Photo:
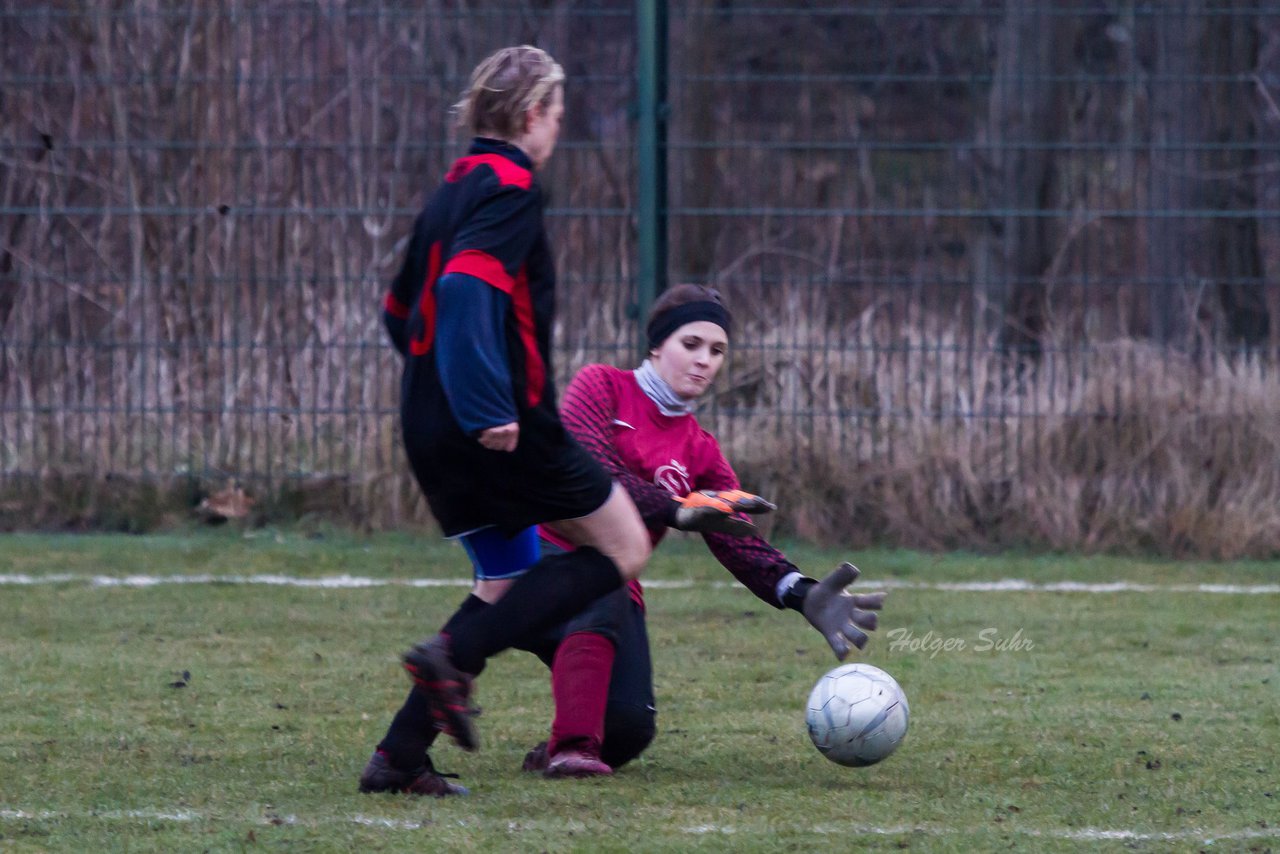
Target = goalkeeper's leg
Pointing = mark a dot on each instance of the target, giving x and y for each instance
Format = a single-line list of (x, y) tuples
[(603, 687), (580, 675), (602, 683), (613, 547)]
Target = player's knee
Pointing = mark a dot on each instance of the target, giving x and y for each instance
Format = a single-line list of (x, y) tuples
[(491, 590), (628, 730)]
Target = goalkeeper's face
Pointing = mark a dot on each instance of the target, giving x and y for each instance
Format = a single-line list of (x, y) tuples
[(691, 357)]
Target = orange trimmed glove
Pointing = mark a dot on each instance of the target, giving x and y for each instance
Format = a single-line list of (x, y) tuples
[(719, 512)]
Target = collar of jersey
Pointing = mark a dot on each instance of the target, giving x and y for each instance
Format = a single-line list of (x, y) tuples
[(660, 392), (487, 145)]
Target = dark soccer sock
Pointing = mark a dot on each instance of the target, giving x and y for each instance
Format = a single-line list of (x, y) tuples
[(553, 590), (580, 689), (628, 730), (412, 731)]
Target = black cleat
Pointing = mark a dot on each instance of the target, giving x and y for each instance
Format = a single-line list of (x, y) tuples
[(380, 776), (536, 760), (447, 688)]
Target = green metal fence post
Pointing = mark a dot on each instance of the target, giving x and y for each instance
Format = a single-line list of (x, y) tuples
[(651, 90)]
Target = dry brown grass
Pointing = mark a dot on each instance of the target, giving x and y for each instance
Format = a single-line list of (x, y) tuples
[(921, 436), (879, 430), (890, 428)]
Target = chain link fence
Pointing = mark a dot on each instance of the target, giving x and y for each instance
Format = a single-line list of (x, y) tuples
[(1003, 273)]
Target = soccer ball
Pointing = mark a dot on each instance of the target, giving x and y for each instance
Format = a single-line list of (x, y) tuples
[(857, 715)]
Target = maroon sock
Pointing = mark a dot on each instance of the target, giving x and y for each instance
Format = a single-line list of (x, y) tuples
[(580, 688)]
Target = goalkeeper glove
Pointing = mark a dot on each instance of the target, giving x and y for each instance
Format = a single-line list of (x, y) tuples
[(711, 511), (837, 614)]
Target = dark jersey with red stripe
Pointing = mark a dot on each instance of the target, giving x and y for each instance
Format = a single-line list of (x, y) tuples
[(471, 311), (479, 257)]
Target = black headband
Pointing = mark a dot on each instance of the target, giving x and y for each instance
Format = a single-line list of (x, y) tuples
[(662, 325)]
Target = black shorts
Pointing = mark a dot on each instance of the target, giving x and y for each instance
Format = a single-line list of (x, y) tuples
[(548, 477)]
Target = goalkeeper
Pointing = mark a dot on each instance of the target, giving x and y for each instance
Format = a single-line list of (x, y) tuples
[(639, 425)]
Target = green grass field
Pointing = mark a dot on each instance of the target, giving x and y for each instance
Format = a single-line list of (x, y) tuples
[(223, 716)]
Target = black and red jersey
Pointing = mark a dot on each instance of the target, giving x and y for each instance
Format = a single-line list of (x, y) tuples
[(471, 309)]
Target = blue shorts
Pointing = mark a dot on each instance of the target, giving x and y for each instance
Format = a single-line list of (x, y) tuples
[(495, 557)]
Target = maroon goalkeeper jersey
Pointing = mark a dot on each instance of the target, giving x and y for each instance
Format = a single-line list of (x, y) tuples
[(656, 458)]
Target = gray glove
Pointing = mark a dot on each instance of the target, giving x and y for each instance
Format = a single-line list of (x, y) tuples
[(839, 615), (718, 512)]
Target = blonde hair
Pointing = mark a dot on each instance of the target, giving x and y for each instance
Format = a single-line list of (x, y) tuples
[(504, 87)]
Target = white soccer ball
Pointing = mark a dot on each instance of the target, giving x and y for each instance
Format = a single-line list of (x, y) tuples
[(857, 715)]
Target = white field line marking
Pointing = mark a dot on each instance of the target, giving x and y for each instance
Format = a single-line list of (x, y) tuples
[(1087, 834), (352, 582), (1084, 834)]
